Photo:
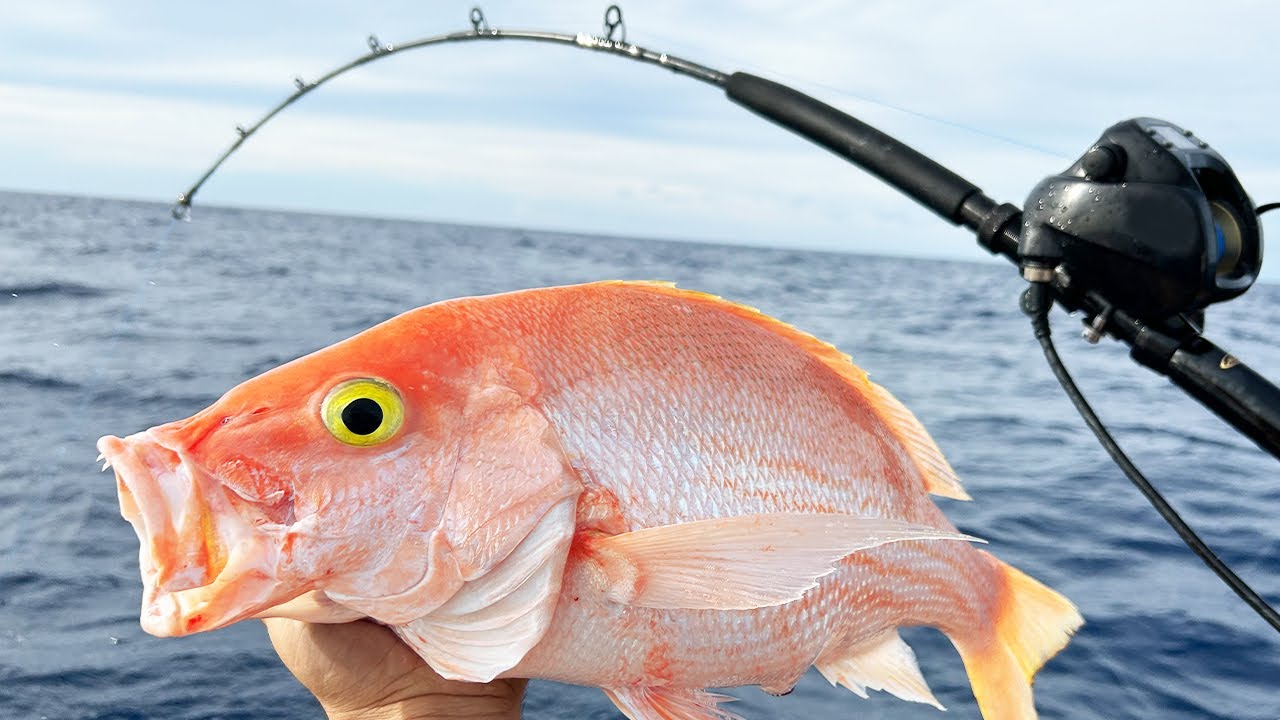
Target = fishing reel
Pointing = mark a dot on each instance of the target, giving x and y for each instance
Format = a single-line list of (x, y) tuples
[(1151, 218)]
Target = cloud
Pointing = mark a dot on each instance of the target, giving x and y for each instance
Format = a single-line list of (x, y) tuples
[(505, 133), (69, 18)]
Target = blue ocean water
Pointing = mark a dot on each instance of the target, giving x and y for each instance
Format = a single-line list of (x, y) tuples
[(113, 319)]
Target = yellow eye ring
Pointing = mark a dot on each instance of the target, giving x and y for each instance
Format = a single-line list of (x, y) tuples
[(363, 412)]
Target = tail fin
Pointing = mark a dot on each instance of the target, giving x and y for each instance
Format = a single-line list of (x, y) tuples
[(1031, 624)]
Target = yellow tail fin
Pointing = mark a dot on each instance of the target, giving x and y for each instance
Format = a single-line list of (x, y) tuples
[(1032, 623)]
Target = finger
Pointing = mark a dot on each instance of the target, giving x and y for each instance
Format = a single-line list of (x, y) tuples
[(350, 665), (361, 665), (349, 646)]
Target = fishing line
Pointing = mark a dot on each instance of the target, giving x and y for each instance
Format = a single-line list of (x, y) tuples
[(1036, 303), (867, 99), (128, 314), (96, 385)]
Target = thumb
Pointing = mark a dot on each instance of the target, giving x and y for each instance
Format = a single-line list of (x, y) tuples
[(361, 671)]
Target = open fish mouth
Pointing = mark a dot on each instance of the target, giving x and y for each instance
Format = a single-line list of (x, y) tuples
[(203, 566)]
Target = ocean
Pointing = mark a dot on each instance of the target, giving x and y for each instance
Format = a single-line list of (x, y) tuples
[(113, 318)]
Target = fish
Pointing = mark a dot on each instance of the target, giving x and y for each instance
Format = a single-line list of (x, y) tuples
[(626, 485)]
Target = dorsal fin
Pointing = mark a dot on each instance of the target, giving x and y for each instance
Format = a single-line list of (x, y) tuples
[(939, 478)]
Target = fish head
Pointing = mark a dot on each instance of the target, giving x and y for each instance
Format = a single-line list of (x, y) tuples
[(312, 475)]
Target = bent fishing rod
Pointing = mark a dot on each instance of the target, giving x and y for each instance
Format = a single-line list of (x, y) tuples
[(1143, 232)]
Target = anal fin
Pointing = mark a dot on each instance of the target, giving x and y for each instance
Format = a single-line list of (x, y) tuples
[(663, 703), (885, 663)]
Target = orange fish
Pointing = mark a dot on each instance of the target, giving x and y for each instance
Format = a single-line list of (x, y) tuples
[(623, 485)]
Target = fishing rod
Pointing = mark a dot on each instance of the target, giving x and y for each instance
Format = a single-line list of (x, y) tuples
[(1144, 231), (614, 40)]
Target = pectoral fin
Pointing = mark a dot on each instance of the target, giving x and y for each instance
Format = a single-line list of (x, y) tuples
[(737, 563)]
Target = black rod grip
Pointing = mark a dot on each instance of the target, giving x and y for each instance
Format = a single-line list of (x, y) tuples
[(924, 180), (1231, 389)]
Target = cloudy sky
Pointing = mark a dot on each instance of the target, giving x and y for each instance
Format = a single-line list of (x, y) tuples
[(135, 99)]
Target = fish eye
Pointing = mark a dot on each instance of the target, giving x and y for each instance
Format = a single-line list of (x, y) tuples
[(363, 412)]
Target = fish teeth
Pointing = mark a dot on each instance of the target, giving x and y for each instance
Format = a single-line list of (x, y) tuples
[(106, 463)]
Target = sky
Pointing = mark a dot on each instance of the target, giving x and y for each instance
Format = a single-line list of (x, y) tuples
[(135, 99)]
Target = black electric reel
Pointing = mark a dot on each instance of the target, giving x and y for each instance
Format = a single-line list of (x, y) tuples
[(1151, 218)]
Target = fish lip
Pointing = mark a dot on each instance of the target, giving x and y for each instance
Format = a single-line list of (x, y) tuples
[(202, 565)]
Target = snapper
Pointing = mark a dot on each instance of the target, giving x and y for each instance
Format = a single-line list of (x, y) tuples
[(624, 485)]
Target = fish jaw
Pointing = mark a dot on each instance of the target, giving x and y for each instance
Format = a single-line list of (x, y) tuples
[(203, 566)]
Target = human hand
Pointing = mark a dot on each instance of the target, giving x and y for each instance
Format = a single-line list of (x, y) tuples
[(361, 671)]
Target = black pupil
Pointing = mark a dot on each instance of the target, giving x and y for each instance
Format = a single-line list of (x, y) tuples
[(362, 416)]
